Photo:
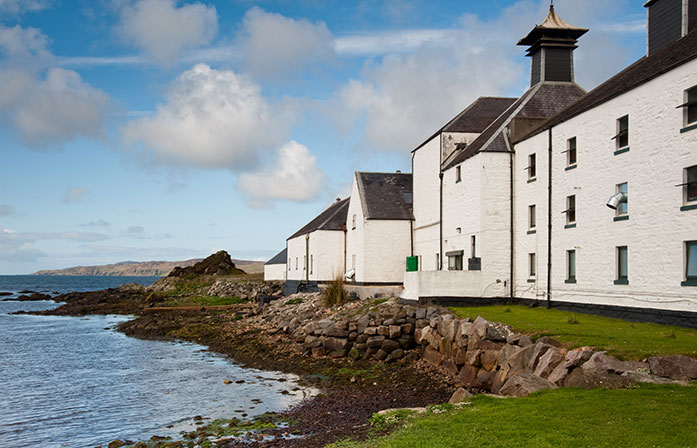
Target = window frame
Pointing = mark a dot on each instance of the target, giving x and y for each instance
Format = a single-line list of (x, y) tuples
[(572, 149), (690, 280), (690, 107), (473, 246), (571, 267), (456, 260), (532, 265), (532, 167), (621, 279), (622, 137), (353, 222), (532, 217), (458, 174), (690, 184), (570, 210), (619, 212)]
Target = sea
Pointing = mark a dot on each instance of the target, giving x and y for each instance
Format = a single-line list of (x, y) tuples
[(77, 382)]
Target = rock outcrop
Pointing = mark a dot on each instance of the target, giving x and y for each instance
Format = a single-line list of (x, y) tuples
[(217, 264)]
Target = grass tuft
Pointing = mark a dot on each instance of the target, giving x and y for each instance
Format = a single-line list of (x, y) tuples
[(572, 319), (335, 294)]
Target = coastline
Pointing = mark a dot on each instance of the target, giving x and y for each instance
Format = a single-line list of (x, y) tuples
[(351, 391)]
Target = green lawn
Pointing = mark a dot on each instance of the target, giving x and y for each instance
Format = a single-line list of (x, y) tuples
[(623, 339), (646, 416), (202, 301)]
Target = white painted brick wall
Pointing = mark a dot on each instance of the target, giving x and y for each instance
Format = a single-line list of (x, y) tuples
[(355, 237), (327, 250), (296, 252), (387, 246), (427, 203), (274, 272)]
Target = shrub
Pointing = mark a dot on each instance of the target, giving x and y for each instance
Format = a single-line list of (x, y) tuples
[(335, 294)]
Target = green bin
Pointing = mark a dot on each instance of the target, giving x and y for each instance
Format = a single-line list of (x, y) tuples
[(412, 264)]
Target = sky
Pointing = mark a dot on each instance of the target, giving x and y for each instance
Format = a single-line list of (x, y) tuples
[(136, 130)]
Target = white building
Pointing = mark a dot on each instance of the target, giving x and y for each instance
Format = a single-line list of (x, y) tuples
[(635, 134), (378, 228), (275, 268), (467, 209), (315, 253), (519, 211)]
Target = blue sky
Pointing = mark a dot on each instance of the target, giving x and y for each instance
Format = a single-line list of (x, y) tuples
[(166, 130)]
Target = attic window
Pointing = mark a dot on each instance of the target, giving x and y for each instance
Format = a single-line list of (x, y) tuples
[(458, 174)]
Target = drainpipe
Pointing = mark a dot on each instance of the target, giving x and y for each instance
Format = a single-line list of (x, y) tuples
[(411, 223), (345, 244), (511, 224), (440, 260), (307, 257), (549, 220)]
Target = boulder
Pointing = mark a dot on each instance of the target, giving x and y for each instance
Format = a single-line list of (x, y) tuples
[(539, 349), (383, 330), (449, 328), (334, 344), (460, 395), (549, 361), (371, 331), (518, 339), (450, 368), (459, 356), (588, 379), (394, 331), (395, 355), (217, 264), (497, 332), (601, 362), (485, 379), (388, 345), (433, 357), (524, 384), (677, 367), (445, 347), (478, 328), (550, 341), (380, 355), (375, 341), (420, 313), (468, 376), (474, 358), (407, 328), (488, 359)]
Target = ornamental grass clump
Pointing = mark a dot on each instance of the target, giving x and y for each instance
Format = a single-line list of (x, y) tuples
[(334, 293)]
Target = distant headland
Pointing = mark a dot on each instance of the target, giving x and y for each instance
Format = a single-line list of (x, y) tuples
[(142, 269)]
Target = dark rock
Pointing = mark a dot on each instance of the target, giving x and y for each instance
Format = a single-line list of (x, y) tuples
[(116, 444), (380, 355), (486, 379), (550, 341), (217, 264), (433, 357), (5, 294), (497, 332), (375, 341), (450, 368), (524, 384), (389, 345), (334, 344), (604, 363), (677, 367), (593, 380), (407, 328), (468, 376), (549, 361), (488, 359), (395, 355)]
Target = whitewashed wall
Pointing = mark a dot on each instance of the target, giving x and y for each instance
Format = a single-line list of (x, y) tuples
[(296, 251), (327, 252), (387, 246), (526, 193), (427, 204), (355, 237), (442, 284), (274, 272), (656, 229)]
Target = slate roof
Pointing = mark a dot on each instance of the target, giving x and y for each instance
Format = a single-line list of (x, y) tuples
[(333, 218), (279, 258), (540, 101), (386, 195), (641, 72), (476, 117)]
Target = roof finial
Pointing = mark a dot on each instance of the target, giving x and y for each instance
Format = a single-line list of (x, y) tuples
[(551, 5)]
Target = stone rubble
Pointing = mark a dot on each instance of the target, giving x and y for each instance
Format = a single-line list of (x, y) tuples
[(474, 354)]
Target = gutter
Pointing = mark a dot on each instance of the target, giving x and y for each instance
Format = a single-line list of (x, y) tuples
[(549, 220), (440, 226)]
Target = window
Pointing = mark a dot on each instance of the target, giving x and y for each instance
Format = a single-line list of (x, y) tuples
[(296, 263), (690, 264), (570, 210), (532, 264), (312, 263), (570, 266), (437, 262), (532, 167), (622, 266), (690, 185), (353, 222), (304, 262), (290, 265), (571, 152), (458, 174), (455, 260), (690, 106), (532, 217), (473, 244), (623, 208), (622, 136)]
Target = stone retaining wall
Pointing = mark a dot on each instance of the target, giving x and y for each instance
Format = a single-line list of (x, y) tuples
[(474, 354)]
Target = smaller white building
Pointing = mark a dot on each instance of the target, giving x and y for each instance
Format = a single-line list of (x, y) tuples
[(379, 222), (315, 253), (275, 268)]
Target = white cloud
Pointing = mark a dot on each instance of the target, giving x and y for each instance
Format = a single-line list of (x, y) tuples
[(274, 45), (52, 110), (73, 194), (21, 6), (212, 119), (20, 246), (6, 210), (98, 223), (294, 177), (23, 42), (136, 230), (162, 30)]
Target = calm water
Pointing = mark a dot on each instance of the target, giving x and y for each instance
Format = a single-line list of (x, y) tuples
[(75, 382)]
